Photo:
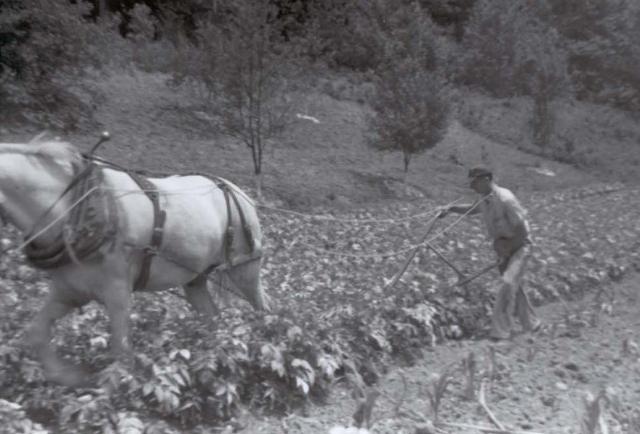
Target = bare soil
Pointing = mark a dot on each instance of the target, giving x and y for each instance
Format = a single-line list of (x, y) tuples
[(539, 381)]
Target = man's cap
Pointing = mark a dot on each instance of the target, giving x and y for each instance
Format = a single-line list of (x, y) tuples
[(477, 172)]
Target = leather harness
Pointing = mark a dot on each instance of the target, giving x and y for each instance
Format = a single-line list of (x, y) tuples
[(159, 218), (90, 225), (89, 233)]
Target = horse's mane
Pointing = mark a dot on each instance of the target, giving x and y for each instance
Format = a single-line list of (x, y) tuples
[(52, 149)]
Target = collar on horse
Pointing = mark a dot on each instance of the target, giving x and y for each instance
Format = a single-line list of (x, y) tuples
[(89, 226)]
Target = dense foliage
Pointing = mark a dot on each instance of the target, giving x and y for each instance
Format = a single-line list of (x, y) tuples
[(501, 46)]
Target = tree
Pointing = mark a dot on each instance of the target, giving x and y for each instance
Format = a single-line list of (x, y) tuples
[(410, 110), (450, 13), (511, 50), (35, 44), (45, 45), (604, 56), (252, 75)]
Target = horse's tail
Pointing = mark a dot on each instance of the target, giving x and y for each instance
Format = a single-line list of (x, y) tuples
[(245, 246)]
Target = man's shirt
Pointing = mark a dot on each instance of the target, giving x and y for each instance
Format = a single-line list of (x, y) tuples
[(502, 213)]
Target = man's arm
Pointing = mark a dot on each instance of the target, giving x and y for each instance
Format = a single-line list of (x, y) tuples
[(460, 209)]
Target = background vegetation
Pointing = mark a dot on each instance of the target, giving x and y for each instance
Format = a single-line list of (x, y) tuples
[(245, 60)]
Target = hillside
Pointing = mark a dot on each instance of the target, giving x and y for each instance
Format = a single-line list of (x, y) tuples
[(327, 163)]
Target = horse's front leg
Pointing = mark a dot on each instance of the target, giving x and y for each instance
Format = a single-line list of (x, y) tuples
[(117, 300), (39, 336)]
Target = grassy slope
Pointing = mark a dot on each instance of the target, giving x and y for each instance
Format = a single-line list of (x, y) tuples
[(604, 141), (327, 163)]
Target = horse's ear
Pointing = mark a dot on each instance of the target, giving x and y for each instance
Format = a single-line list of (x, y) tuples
[(38, 138)]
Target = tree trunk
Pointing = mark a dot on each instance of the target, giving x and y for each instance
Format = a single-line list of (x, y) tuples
[(256, 154), (543, 118), (103, 8), (406, 160), (258, 180)]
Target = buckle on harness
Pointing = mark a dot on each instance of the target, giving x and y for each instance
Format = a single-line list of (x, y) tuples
[(150, 251)]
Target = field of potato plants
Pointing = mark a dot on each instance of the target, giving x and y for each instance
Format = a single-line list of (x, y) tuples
[(332, 320)]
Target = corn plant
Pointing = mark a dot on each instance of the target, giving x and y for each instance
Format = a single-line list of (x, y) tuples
[(364, 411), (437, 389), (592, 421), (469, 366)]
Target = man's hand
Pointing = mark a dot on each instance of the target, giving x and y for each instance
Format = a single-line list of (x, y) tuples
[(443, 211)]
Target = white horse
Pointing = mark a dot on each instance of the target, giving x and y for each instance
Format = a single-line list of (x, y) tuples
[(198, 218)]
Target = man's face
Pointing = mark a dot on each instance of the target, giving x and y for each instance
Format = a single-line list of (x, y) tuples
[(480, 184)]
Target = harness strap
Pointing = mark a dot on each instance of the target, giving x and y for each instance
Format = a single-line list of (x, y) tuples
[(80, 174), (159, 217), (229, 234), (88, 226)]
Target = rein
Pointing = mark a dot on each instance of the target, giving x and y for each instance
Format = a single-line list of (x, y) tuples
[(77, 178), (91, 222), (51, 224)]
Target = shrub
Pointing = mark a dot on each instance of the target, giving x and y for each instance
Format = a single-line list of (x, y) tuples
[(44, 46), (409, 111), (41, 38)]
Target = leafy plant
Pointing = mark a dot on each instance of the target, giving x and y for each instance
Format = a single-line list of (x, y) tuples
[(87, 413), (13, 419), (165, 386)]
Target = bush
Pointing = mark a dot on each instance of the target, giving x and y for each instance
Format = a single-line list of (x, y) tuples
[(604, 58), (509, 49), (44, 47), (41, 38), (410, 110)]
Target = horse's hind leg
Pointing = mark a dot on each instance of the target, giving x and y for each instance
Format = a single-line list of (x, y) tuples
[(117, 299), (246, 279), (39, 336), (199, 298)]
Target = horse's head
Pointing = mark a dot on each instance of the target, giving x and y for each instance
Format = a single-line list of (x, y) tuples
[(49, 156), (32, 175)]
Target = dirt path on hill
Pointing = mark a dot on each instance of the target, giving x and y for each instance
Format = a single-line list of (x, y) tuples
[(539, 383)]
